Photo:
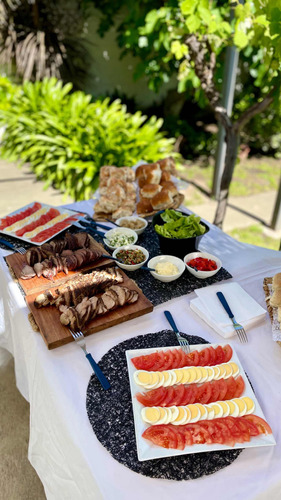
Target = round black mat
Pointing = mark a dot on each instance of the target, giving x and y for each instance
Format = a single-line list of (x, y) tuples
[(111, 416)]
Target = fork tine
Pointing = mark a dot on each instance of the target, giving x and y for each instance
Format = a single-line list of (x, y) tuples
[(242, 335)]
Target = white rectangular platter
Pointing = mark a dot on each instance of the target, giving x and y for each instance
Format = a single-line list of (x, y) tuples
[(146, 450), (62, 215)]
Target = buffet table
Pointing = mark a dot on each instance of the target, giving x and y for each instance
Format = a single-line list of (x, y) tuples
[(63, 449)]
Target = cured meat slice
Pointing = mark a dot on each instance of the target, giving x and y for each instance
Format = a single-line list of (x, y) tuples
[(51, 214), (11, 219)]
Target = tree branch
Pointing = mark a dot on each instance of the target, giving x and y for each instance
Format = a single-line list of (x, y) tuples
[(204, 69), (249, 113)]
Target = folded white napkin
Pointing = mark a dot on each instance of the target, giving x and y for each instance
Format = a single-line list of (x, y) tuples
[(246, 310)]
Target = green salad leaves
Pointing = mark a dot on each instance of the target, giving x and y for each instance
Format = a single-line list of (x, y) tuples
[(179, 226)]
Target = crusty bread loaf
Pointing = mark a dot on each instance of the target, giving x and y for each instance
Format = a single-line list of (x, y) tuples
[(276, 281), (162, 200), (275, 300), (150, 190)]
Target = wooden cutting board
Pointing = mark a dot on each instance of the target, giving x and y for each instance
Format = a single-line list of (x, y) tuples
[(56, 335), (16, 262)]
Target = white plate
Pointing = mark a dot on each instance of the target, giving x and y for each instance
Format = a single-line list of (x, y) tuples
[(32, 217), (148, 451)]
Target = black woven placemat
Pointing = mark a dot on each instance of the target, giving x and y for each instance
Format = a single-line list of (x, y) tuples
[(157, 291), (111, 416)]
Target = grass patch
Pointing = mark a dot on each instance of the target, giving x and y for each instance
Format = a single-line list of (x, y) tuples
[(251, 176), (254, 235)]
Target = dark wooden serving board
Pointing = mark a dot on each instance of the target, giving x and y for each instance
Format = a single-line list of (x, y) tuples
[(16, 262), (56, 335)]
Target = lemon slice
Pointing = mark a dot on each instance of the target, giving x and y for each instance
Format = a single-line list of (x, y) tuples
[(211, 411), (192, 375), (151, 415), (217, 409), (225, 408), (216, 372), (186, 376), (142, 377), (181, 416), (167, 378), (241, 405), (195, 413), (203, 411), (179, 375), (234, 410), (211, 373), (235, 369), (228, 370), (250, 405)]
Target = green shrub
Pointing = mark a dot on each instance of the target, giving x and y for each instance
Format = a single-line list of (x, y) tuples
[(66, 138)]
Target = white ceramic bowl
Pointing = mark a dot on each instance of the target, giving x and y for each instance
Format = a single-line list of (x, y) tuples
[(119, 231), (205, 255), (132, 217), (131, 267), (166, 258)]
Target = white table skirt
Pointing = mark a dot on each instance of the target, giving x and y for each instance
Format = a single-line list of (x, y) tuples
[(64, 450)]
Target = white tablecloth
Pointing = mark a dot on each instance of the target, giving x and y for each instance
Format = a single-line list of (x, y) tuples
[(63, 449)]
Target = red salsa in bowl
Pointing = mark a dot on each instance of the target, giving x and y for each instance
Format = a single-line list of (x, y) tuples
[(202, 264)]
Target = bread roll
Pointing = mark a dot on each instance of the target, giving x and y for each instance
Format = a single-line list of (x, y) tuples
[(170, 186), (275, 300), (165, 176), (153, 173), (141, 170), (144, 206), (162, 200), (276, 281), (150, 190), (129, 174), (168, 164)]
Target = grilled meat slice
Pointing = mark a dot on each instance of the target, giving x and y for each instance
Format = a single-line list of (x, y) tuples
[(82, 285), (70, 241), (76, 317)]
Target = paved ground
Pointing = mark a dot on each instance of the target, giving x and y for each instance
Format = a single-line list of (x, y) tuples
[(19, 187)]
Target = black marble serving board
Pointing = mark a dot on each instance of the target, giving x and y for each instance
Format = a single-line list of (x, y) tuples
[(111, 416), (157, 291)]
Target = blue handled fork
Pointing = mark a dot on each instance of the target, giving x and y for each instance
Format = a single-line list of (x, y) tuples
[(80, 340), (238, 328)]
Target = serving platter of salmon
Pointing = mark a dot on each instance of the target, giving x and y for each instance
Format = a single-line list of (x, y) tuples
[(36, 223)]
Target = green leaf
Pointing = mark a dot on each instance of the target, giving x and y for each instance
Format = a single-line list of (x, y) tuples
[(240, 39)]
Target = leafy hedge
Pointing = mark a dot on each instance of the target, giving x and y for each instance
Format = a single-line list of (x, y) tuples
[(66, 138)]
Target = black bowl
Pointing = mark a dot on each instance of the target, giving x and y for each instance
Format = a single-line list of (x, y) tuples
[(179, 247)]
